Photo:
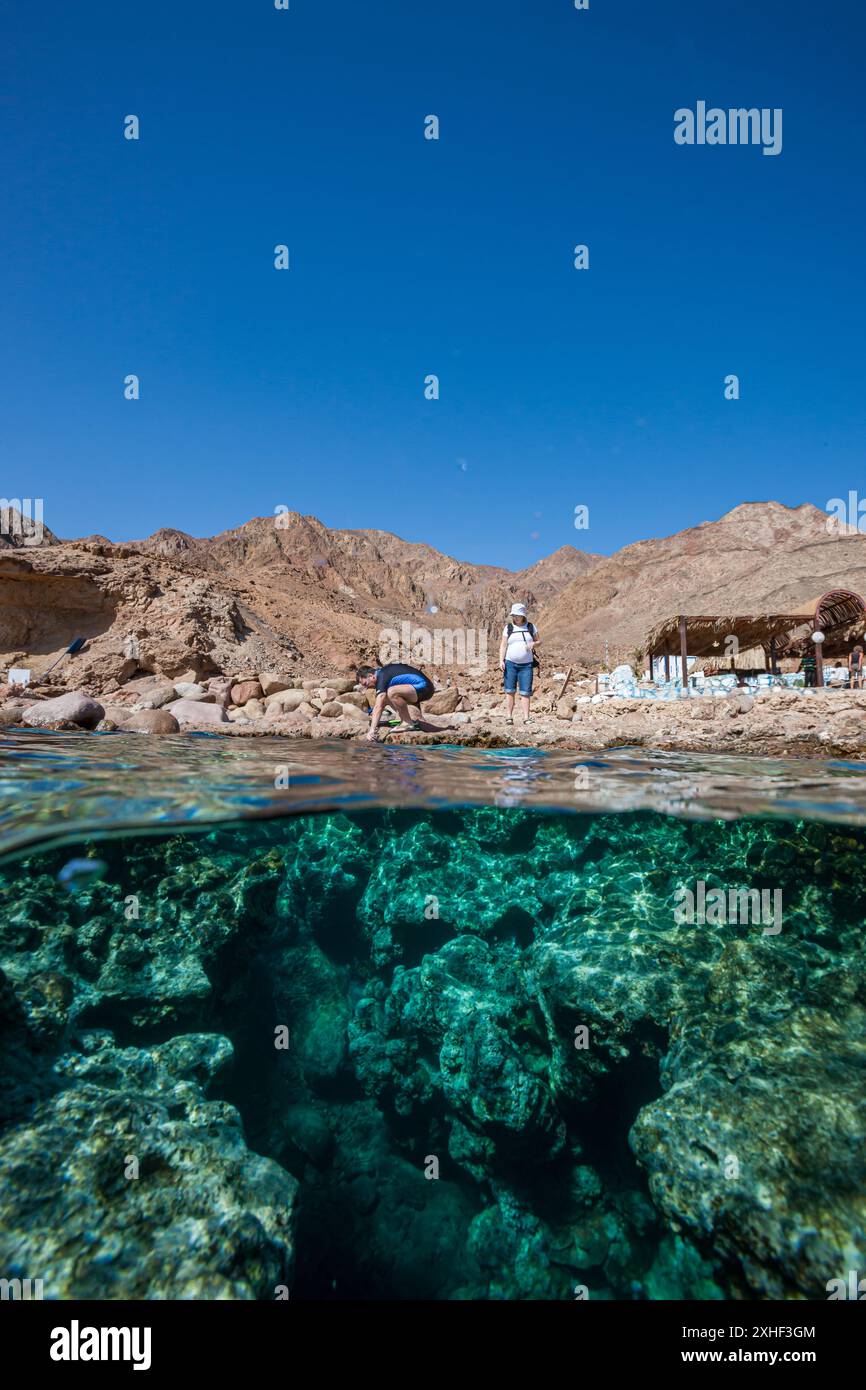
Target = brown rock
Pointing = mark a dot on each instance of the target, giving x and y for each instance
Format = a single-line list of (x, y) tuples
[(272, 684), (309, 710), (253, 709), (331, 709), (564, 708), (356, 697), (152, 721), (443, 702), (246, 690)]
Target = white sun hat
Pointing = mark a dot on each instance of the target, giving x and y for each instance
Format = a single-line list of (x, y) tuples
[(519, 609)]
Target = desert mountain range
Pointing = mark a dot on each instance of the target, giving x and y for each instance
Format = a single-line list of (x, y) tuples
[(276, 592)]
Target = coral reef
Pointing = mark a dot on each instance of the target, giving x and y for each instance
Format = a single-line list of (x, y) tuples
[(456, 1054)]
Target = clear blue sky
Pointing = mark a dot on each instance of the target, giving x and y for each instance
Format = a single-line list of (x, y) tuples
[(408, 257)]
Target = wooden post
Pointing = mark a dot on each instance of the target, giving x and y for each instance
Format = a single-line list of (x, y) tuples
[(683, 654), (559, 696), (772, 656), (819, 665), (667, 666)]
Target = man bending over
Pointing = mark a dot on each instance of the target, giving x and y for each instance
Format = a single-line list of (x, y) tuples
[(402, 687)]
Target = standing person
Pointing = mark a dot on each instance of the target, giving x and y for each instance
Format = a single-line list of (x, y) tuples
[(402, 687), (517, 660), (809, 667), (855, 667)]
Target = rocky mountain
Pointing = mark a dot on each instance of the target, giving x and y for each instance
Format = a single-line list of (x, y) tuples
[(380, 571), (267, 593), (760, 557), (280, 591), (22, 530)]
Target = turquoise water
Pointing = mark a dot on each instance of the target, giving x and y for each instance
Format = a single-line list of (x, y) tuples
[(321, 1022)]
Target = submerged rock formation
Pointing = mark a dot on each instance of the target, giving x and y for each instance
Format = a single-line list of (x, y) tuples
[(465, 1054)]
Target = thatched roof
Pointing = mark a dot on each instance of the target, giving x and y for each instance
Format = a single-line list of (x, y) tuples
[(836, 613), (706, 636)]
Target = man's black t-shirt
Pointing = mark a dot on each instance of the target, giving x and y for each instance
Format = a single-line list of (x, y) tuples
[(389, 675)]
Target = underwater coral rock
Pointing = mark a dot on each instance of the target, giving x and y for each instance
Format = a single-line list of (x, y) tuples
[(128, 1184), (507, 1068)]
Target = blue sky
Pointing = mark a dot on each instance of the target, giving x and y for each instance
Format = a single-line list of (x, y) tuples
[(305, 388)]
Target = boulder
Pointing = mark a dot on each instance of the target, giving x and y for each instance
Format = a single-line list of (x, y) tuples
[(331, 709), (353, 713), (76, 707), (161, 694), (253, 709), (193, 714), (443, 702), (286, 699), (341, 685), (564, 707), (9, 716), (221, 689), (117, 714), (190, 690), (246, 691), (152, 721), (272, 685), (356, 697), (324, 695)]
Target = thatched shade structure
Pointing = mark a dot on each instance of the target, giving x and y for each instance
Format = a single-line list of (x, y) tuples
[(839, 614)]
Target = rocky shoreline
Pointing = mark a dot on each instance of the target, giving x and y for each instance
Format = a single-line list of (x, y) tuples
[(828, 723)]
